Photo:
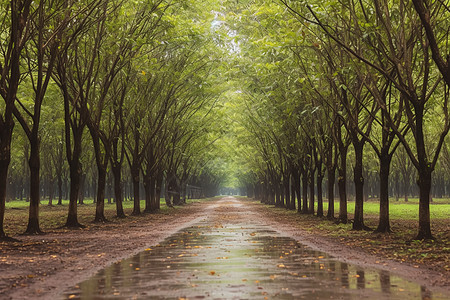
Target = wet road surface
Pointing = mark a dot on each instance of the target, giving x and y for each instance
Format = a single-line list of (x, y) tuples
[(229, 255)]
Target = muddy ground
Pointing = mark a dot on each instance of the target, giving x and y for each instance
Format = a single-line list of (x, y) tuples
[(44, 266)]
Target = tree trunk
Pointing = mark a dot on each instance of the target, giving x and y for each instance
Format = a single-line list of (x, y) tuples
[(34, 164), (159, 181), (311, 191), (425, 171), (305, 191), (424, 183), (136, 193), (277, 195), (75, 178), (293, 192), (319, 194), (101, 187), (118, 190), (4, 164), (297, 188), (81, 195), (384, 223), (148, 194), (331, 173), (153, 205), (358, 179), (342, 185), (51, 192), (60, 192)]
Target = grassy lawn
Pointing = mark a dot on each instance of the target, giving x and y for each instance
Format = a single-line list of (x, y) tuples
[(52, 217), (399, 210)]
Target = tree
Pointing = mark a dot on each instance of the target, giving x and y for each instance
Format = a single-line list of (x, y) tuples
[(15, 23)]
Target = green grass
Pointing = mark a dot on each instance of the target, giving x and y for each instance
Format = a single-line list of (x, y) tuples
[(399, 210), (18, 204), (53, 217), (22, 204)]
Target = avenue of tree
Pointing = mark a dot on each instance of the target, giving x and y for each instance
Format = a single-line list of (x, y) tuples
[(301, 101), (336, 84), (113, 90)]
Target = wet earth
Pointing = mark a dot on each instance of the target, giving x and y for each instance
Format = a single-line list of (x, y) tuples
[(230, 255)]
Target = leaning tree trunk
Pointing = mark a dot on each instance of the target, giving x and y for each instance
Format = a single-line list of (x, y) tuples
[(384, 223)]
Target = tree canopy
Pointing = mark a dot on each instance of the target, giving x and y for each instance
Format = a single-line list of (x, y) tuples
[(281, 100)]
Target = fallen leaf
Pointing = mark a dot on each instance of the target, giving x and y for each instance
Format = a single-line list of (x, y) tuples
[(212, 272)]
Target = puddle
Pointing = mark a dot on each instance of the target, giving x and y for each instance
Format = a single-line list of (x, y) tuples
[(240, 261)]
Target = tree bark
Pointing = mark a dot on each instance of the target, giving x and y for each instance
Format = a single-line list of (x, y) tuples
[(424, 183), (34, 165), (384, 223), (153, 205), (159, 181), (319, 194), (148, 194), (75, 178), (331, 173), (342, 185), (305, 191), (311, 191), (297, 188), (101, 187), (358, 179), (287, 194), (118, 190), (136, 192), (4, 164)]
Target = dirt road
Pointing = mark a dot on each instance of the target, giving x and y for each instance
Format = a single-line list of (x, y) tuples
[(47, 266)]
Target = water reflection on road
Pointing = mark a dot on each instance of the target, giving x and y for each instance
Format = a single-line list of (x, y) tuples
[(222, 260)]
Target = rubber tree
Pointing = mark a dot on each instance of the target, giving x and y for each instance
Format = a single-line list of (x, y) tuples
[(15, 22), (52, 30), (408, 53)]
